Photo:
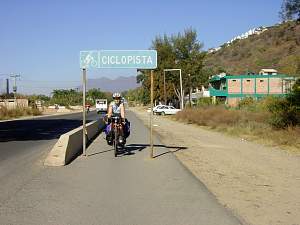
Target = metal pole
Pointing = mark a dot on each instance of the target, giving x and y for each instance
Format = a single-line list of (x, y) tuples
[(190, 90), (83, 112), (15, 87), (181, 92), (7, 86), (165, 92), (151, 118)]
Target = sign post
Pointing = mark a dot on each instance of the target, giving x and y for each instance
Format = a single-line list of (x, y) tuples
[(124, 59), (151, 117), (83, 112)]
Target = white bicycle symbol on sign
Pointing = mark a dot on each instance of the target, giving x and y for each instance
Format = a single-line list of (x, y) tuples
[(89, 59)]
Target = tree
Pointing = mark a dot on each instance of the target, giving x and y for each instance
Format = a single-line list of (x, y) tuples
[(290, 9), (94, 94), (138, 95), (66, 97), (190, 58), (183, 51), (294, 96)]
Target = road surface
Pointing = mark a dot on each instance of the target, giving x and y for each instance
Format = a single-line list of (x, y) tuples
[(24, 142), (131, 189)]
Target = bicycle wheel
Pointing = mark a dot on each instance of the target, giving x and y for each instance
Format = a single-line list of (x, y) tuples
[(116, 145)]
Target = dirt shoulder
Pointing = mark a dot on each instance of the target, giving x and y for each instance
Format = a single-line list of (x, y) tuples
[(259, 184)]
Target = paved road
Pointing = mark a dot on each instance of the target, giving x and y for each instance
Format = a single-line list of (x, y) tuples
[(128, 190), (24, 142), (20, 136)]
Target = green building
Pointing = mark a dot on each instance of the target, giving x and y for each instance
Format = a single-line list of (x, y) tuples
[(233, 88)]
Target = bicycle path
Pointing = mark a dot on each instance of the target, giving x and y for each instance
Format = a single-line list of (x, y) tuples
[(131, 189)]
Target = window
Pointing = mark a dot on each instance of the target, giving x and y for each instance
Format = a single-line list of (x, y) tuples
[(261, 81), (234, 80), (248, 80)]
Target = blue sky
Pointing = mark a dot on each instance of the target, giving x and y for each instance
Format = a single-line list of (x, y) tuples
[(41, 39)]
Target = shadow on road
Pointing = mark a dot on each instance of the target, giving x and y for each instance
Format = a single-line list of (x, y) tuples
[(97, 153), (46, 129), (132, 148), (141, 147)]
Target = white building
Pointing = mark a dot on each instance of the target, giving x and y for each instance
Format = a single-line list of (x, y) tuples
[(254, 31), (268, 72)]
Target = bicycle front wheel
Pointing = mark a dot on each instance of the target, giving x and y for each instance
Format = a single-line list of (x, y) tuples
[(115, 146)]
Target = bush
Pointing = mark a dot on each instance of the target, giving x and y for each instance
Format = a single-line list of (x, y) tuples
[(294, 96), (17, 112), (247, 103), (283, 114), (204, 101)]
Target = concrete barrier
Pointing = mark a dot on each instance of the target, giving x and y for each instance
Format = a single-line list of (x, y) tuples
[(69, 144)]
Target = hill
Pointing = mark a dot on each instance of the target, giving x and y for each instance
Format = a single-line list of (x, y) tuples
[(113, 85), (278, 47)]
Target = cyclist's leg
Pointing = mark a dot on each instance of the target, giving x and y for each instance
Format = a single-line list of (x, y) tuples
[(109, 134), (121, 137), (126, 128)]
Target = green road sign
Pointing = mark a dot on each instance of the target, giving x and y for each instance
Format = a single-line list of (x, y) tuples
[(140, 59)]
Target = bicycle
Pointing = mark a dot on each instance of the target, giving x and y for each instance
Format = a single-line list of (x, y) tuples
[(118, 134)]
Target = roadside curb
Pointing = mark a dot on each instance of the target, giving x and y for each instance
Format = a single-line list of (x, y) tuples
[(69, 145)]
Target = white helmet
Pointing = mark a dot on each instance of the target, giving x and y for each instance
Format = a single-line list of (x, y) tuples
[(116, 95)]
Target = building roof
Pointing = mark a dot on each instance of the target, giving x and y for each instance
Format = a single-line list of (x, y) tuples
[(245, 76), (268, 71)]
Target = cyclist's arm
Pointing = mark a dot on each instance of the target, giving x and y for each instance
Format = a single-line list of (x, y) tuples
[(109, 113), (122, 111)]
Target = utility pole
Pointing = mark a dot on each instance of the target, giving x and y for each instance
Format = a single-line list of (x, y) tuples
[(190, 90), (165, 92), (181, 89), (7, 86), (15, 84)]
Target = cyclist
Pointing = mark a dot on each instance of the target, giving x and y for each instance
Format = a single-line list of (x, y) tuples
[(116, 108)]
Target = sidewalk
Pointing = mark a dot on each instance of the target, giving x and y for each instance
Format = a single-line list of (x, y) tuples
[(131, 189)]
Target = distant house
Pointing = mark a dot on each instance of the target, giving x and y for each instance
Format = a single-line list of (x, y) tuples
[(234, 88), (14, 103), (197, 93), (268, 72)]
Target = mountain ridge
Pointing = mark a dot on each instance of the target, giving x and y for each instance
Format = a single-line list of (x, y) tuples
[(118, 84), (278, 48)]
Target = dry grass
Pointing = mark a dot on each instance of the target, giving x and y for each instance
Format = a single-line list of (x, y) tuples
[(18, 112), (245, 124), (216, 116)]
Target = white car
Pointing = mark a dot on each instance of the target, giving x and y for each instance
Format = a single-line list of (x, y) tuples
[(166, 110), (155, 108)]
